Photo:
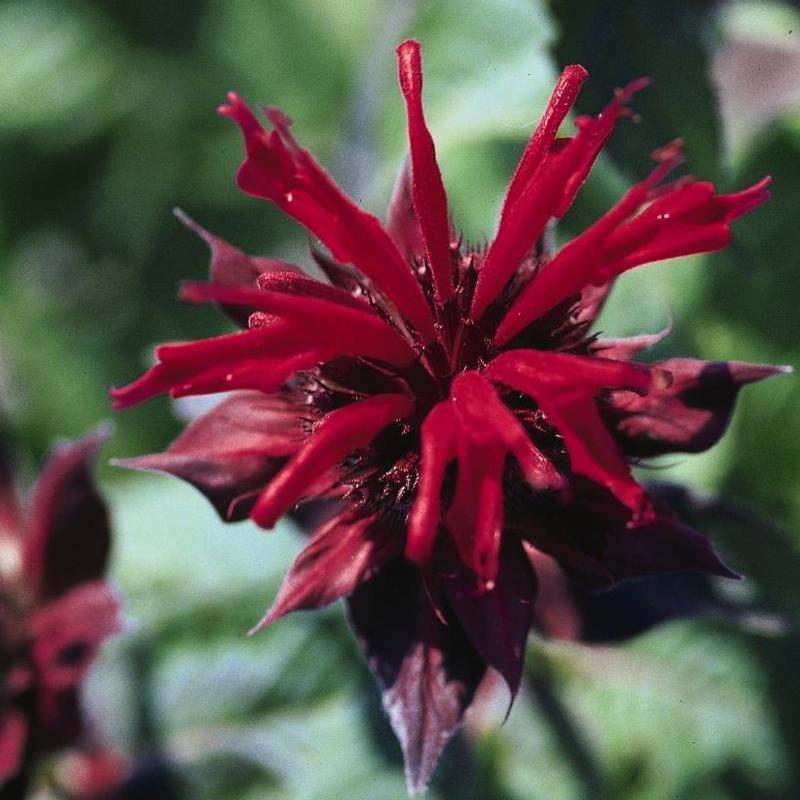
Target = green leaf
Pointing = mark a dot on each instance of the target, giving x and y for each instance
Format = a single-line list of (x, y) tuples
[(57, 71), (618, 42), (682, 707)]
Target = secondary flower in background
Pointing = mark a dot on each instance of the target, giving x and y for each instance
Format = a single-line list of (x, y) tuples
[(55, 608), (451, 400)]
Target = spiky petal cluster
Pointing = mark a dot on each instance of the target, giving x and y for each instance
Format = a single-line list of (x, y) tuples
[(450, 398), (55, 608)]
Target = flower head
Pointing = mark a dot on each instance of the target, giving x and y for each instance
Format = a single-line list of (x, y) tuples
[(451, 399), (55, 609)]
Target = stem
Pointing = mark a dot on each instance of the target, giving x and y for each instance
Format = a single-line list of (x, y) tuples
[(569, 737)]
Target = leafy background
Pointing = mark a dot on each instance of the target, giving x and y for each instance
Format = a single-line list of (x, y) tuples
[(106, 123)]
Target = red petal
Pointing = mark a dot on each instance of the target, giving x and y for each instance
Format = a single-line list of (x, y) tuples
[(580, 262), (304, 330), (277, 169), (479, 405), (232, 450), (427, 190), (69, 538), (295, 283), (346, 327), (548, 193), (340, 433), (261, 358), (690, 415), (342, 554), (690, 219), (478, 430), (231, 267), (559, 105), (475, 516), (565, 387), (437, 450)]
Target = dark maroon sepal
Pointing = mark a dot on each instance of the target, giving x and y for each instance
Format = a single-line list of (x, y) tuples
[(231, 267), (690, 415), (564, 544), (232, 451), (69, 537), (662, 546), (427, 670), (592, 302), (497, 620), (626, 348), (342, 553)]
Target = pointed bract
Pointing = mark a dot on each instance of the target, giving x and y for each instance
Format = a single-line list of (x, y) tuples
[(342, 554), (690, 414), (230, 452), (231, 267), (427, 670), (497, 620), (69, 537)]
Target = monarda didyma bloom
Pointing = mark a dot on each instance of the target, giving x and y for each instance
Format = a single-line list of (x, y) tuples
[(55, 608), (449, 401)]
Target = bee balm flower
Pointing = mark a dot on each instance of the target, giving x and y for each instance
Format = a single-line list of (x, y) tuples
[(450, 399), (55, 608)]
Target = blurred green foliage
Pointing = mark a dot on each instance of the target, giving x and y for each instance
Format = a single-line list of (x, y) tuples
[(106, 123)]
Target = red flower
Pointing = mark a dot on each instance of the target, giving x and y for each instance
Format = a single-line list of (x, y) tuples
[(55, 609), (451, 399)]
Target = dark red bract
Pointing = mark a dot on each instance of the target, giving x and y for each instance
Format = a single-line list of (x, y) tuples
[(55, 608), (451, 399)]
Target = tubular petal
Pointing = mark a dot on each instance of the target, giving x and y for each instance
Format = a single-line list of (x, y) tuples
[(475, 428), (475, 516), (565, 387), (340, 433), (277, 169), (437, 450), (578, 263), (427, 190), (691, 219), (295, 283), (561, 101), (480, 407), (687, 219), (329, 323), (192, 364), (548, 193)]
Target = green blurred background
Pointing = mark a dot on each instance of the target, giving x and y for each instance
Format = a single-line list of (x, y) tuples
[(107, 122)]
